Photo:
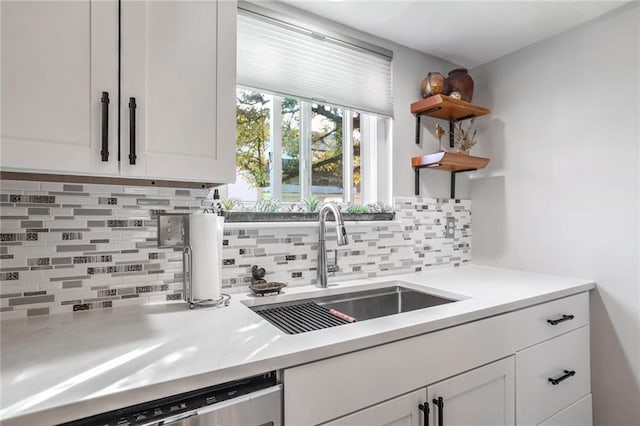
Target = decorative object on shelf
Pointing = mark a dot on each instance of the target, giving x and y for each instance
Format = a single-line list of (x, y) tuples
[(460, 81), (433, 84), (311, 203), (455, 95), (228, 204), (379, 207), (439, 134), (464, 139), (268, 205), (356, 209)]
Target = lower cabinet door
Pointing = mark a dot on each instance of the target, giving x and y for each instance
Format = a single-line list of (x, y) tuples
[(401, 411), (577, 414), (481, 397)]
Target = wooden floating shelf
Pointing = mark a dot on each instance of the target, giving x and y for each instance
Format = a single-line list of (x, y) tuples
[(449, 161), (447, 108)]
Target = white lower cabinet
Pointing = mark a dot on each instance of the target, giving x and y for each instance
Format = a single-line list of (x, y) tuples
[(401, 411), (577, 414), (481, 397), (493, 371)]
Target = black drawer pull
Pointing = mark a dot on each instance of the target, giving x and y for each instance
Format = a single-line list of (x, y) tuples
[(566, 375), (132, 130), (440, 404), (425, 409), (104, 153), (559, 320)]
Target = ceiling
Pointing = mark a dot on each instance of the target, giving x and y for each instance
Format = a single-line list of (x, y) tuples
[(467, 33)]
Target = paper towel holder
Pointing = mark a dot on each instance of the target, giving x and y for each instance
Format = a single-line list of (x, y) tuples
[(173, 232), (187, 285)]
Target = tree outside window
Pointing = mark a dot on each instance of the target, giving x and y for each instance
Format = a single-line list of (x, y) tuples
[(324, 148)]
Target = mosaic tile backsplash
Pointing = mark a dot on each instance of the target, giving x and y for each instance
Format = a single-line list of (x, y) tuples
[(73, 247)]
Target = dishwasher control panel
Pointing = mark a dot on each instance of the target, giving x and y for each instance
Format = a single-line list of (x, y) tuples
[(170, 409)]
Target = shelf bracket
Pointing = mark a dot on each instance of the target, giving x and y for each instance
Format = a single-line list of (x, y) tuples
[(416, 172), (453, 180), (418, 121)]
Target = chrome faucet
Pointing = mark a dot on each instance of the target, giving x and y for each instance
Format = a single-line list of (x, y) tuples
[(341, 234)]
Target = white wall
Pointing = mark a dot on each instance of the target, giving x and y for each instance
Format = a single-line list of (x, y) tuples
[(561, 194)]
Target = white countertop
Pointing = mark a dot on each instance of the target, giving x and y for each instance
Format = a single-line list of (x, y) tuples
[(68, 366)]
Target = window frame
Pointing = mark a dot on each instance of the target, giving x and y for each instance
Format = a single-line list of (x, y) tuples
[(370, 142)]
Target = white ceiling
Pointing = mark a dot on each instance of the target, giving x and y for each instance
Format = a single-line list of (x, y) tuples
[(467, 33)]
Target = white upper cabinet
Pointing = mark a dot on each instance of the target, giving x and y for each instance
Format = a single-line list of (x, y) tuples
[(57, 59), (178, 66), (177, 62)]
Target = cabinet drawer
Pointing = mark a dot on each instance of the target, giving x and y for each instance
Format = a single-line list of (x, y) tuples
[(577, 414), (565, 359), (551, 319)]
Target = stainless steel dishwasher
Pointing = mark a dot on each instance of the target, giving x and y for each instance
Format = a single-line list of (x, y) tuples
[(256, 401)]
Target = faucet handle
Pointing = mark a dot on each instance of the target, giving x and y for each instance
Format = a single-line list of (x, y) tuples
[(334, 267)]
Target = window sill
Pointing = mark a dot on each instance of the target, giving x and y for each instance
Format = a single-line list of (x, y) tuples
[(304, 217)]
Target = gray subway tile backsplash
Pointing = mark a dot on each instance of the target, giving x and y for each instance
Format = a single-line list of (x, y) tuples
[(60, 259)]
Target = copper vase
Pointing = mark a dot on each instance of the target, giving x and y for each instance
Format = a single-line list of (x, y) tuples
[(433, 84), (460, 81)]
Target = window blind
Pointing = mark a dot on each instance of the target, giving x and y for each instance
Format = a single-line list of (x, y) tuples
[(289, 60)]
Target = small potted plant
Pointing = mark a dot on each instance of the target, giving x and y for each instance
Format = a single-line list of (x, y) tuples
[(464, 139), (311, 203)]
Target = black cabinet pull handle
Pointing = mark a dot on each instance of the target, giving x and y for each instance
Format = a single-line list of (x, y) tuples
[(104, 153), (565, 376), (559, 320), (425, 409), (440, 404), (132, 131)]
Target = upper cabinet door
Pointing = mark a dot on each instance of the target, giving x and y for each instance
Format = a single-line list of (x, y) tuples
[(57, 59), (178, 90)]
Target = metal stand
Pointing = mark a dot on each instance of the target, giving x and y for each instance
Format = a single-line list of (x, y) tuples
[(187, 285)]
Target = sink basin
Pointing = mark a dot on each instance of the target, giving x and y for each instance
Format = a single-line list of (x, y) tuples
[(319, 312)]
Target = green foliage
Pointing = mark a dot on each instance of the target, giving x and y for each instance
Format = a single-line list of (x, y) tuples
[(228, 204), (356, 209), (311, 203), (252, 131), (267, 205), (377, 207)]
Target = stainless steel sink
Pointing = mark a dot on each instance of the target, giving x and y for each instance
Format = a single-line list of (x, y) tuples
[(319, 312)]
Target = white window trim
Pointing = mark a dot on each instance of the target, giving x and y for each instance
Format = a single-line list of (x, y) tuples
[(347, 155), (275, 150)]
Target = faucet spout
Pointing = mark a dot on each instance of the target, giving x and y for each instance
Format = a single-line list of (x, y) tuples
[(341, 236)]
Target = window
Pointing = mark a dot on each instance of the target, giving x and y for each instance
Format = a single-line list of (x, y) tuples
[(288, 149), (312, 113)]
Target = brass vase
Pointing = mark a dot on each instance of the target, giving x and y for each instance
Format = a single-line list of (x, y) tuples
[(433, 84)]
